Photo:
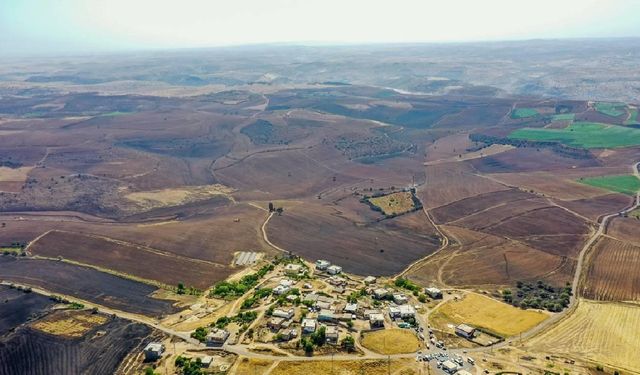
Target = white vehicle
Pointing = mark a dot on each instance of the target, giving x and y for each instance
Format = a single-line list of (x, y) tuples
[(471, 361)]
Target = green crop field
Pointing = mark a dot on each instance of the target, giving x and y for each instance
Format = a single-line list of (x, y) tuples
[(583, 135), (524, 113), (610, 109), (626, 184), (564, 117)]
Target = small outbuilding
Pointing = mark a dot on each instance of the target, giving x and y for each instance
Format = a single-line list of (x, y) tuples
[(153, 351), (465, 331), (322, 265)]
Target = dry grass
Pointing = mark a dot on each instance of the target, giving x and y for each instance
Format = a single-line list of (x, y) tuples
[(394, 203), (369, 367), (391, 341), (487, 313), (462, 156), (14, 174), (248, 366), (175, 197), (69, 324), (605, 333)]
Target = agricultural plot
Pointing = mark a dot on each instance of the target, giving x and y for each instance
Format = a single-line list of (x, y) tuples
[(497, 262), (395, 203), (613, 272), (604, 333), (583, 135), (530, 159), (69, 323), (451, 182), (380, 247), (129, 259), (392, 341), (17, 307), (486, 313), (610, 109), (633, 117), (564, 117), (31, 351), (86, 284), (520, 113), (625, 184)]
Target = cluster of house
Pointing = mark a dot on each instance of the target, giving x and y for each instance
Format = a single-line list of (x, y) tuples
[(281, 319), (154, 351), (326, 266)]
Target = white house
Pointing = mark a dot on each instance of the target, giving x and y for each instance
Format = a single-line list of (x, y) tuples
[(283, 313), (217, 336), (322, 264), (434, 293), (308, 326), (400, 298), (369, 280), (376, 320), (334, 270)]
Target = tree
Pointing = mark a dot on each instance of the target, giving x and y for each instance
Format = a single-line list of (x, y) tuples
[(320, 336), (271, 208), (149, 371), (348, 343), (181, 288)]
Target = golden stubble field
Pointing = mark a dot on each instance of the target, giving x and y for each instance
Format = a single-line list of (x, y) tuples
[(605, 333), (487, 313), (391, 341)]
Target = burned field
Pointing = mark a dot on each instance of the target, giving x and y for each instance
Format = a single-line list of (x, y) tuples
[(99, 351), (18, 307), (86, 284)]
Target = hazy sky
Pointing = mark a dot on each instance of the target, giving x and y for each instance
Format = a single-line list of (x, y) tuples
[(57, 26)]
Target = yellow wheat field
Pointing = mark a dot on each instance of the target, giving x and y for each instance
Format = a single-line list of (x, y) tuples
[(603, 332)]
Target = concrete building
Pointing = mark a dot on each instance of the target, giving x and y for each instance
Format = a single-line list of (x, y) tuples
[(369, 280), (206, 361), (322, 305), (153, 351), (292, 269), (289, 334), (283, 313), (449, 367), (376, 320), (380, 293), (402, 311), (308, 326), (332, 334), (367, 313), (326, 316), (463, 372), (322, 265), (465, 331), (334, 270), (281, 289), (217, 337), (400, 298), (275, 323), (434, 293), (351, 308)]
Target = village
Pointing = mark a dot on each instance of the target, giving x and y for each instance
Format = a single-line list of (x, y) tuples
[(300, 309)]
